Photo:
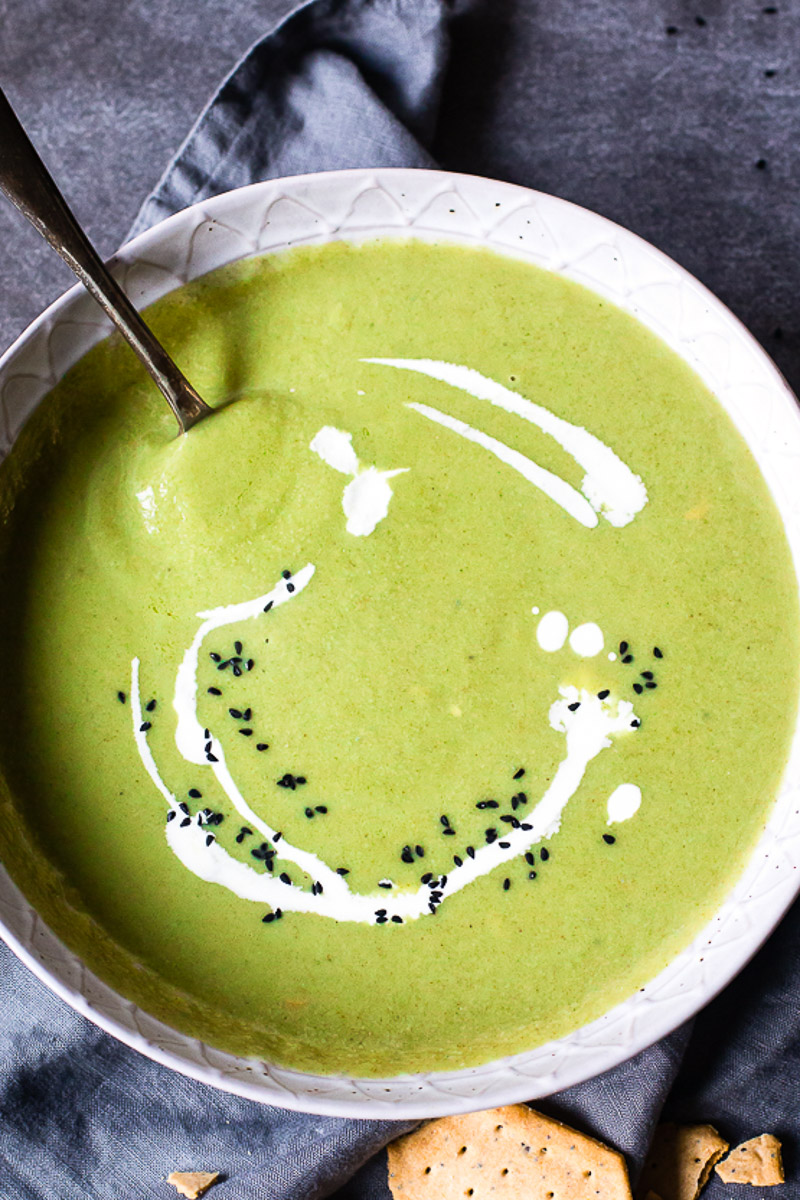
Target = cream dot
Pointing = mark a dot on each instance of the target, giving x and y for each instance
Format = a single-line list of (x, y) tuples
[(623, 802), (552, 630), (587, 640), (612, 657)]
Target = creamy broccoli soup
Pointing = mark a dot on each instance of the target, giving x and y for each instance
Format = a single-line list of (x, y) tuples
[(423, 702)]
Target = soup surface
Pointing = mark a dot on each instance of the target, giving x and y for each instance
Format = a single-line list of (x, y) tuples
[(422, 703)]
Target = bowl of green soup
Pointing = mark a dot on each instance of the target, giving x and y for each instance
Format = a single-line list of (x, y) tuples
[(418, 733)]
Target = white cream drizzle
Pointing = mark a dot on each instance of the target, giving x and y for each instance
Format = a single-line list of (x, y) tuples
[(610, 487), (365, 499), (587, 723), (623, 803)]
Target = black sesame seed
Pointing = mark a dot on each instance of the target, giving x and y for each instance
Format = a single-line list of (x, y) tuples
[(236, 713), (770, 10), (215, 657), (186, 821), (240, 837), (420, 851), (672, 30), (458, 861), (526, 827), (657, 653), (246, 831), (470, 852), (491, 836), (212, 691), (487, 804), (574, 707), (529, 858), (277, 837), (145, 725), (278, 914), (522, 797), (150, 706), (406, 855), (504, 845), (268, 919), (251, 662), (426, 878), (268, 606), (531, 874), (647, 674), (247, 714), (171, 815), (290, 587), (209, 839), (544, 854), (309, 812), (381, 920), (237, 670), (286, 574), (609, 839), (444, 820), (342, 871), (628, 658), (761, 164), (448, 832), (518, 774), (770, 72), (637, 687), (650, 684), (506, 884), (121, 697), (222, 666), (321, 808), (262, 746), (635, 723), (515, 802), (623, 647), (184, 807), (237, 647), (245, 732), (385, 884), (397, 920), (300, 779), (193, 792), (443, 881), (211, 758), (604, 694), (380, 912), (284, 878), (700, 22)]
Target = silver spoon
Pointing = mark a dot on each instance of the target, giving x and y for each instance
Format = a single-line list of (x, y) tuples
[(29, 186)]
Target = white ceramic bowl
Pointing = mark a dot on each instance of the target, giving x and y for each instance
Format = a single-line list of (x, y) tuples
[(633, 275)]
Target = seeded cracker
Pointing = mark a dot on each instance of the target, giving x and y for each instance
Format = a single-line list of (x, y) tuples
[(757, 1161), (192, 1183), (508, 1153), (680, 1161)]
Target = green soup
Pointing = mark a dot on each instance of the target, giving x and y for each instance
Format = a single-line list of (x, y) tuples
[(405, 713)]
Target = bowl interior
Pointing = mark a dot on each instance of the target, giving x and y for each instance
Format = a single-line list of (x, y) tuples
[(558, 236)]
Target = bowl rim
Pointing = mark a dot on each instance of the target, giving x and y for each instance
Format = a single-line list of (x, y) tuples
[(736, 931)]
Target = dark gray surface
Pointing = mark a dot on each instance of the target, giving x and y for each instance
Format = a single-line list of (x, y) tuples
[(596, 102)]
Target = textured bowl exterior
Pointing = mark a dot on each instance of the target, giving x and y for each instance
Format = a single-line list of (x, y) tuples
[(549, 233)]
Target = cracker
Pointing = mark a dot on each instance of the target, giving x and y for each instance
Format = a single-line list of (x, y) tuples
[(680, 1161), (508, 1153), (192, 1183), (757, 1161)]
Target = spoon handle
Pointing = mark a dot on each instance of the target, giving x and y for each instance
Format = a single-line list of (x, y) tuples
[(29, 186)]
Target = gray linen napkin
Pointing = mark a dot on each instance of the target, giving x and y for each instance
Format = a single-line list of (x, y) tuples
[(340, 83)]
